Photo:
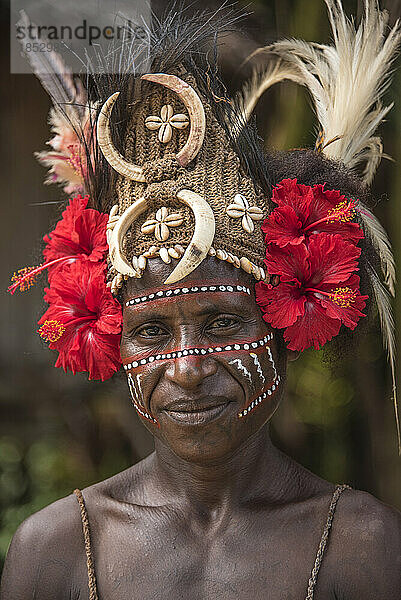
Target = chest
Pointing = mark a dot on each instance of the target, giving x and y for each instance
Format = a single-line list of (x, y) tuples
[(162, 557)]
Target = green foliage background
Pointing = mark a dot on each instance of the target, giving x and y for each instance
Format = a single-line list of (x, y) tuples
[(58, 432)]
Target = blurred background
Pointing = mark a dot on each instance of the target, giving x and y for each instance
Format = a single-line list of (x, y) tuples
[(59, 432)]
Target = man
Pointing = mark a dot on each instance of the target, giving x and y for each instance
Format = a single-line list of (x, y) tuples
[(216, 511)]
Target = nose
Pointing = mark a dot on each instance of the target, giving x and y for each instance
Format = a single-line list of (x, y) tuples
[(188, 372)]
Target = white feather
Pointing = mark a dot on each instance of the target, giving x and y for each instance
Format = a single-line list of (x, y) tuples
[(346, 81), (377, 236), (261, 80), (385, 310), (55, 76)]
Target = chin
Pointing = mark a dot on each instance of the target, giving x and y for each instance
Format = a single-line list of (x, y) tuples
[(207, 443)]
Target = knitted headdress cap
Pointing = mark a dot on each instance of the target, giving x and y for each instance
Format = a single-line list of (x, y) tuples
[(181, 190)]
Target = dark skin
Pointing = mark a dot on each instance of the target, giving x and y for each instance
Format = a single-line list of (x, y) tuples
[(216, 512)]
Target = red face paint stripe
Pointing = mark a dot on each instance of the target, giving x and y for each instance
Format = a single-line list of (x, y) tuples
[(180, 291), (267, 391), (162, 301), (144, 414), (140, 409), (133, 362)]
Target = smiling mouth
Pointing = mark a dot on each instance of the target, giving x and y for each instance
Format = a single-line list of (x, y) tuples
[(199, 416)]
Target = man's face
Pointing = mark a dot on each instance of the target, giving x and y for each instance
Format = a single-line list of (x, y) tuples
[(202, 365)]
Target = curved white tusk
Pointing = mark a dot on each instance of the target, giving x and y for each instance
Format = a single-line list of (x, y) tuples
[(117, 258), (202, 239), (196, 251), (111, 154), (195, 110)]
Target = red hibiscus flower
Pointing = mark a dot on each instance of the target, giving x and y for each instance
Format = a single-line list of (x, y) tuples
[(318, 290), (303, 210), (89, 318), (81, 232)]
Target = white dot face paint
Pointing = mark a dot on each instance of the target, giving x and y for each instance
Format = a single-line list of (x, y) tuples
[(180, 291), (132, 362), (261, 383)]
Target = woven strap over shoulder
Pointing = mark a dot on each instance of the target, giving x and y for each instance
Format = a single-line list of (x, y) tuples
[(88, 548), (323, 541)]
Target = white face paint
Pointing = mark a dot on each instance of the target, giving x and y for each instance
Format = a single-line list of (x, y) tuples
[(266, 389), (132, 389), (242, 368), (137, 396), (259, 366), (134, 384), (134, 362), (272, 361), (138, 383)]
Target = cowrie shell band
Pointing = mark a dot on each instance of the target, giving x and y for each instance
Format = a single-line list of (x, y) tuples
[(181, 291), (133, 362)]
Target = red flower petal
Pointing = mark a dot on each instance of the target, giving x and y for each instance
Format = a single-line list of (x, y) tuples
[(290, 193), (81, 302), (90, 233), (283, 227), (81, 232), (324, 201), (318, 290), (97, 354), (332, 259), (314, 208), (281, 306), (348, 313), (66, 224), (349, 231), (313, 329), (291, 262)]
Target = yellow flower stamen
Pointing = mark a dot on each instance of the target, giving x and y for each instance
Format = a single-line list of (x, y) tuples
[(344, 296), (51, 331), (22, 279), (343, 212)]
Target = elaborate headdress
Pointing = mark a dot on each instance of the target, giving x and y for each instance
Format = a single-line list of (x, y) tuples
[(171, 169)]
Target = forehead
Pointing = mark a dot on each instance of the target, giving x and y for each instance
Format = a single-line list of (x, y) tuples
[(213, 283)]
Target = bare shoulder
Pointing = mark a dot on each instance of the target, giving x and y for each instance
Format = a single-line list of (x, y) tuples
[(125, 487), (366, 545), (45, 554), (362, 517), (46, 558)]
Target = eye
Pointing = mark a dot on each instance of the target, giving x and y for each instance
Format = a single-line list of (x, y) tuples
[(224, 324), (150, 331)]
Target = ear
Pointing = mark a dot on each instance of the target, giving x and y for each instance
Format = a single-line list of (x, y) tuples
[(292, 354)]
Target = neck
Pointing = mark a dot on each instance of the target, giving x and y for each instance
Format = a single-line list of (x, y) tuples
[(256, 469)]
